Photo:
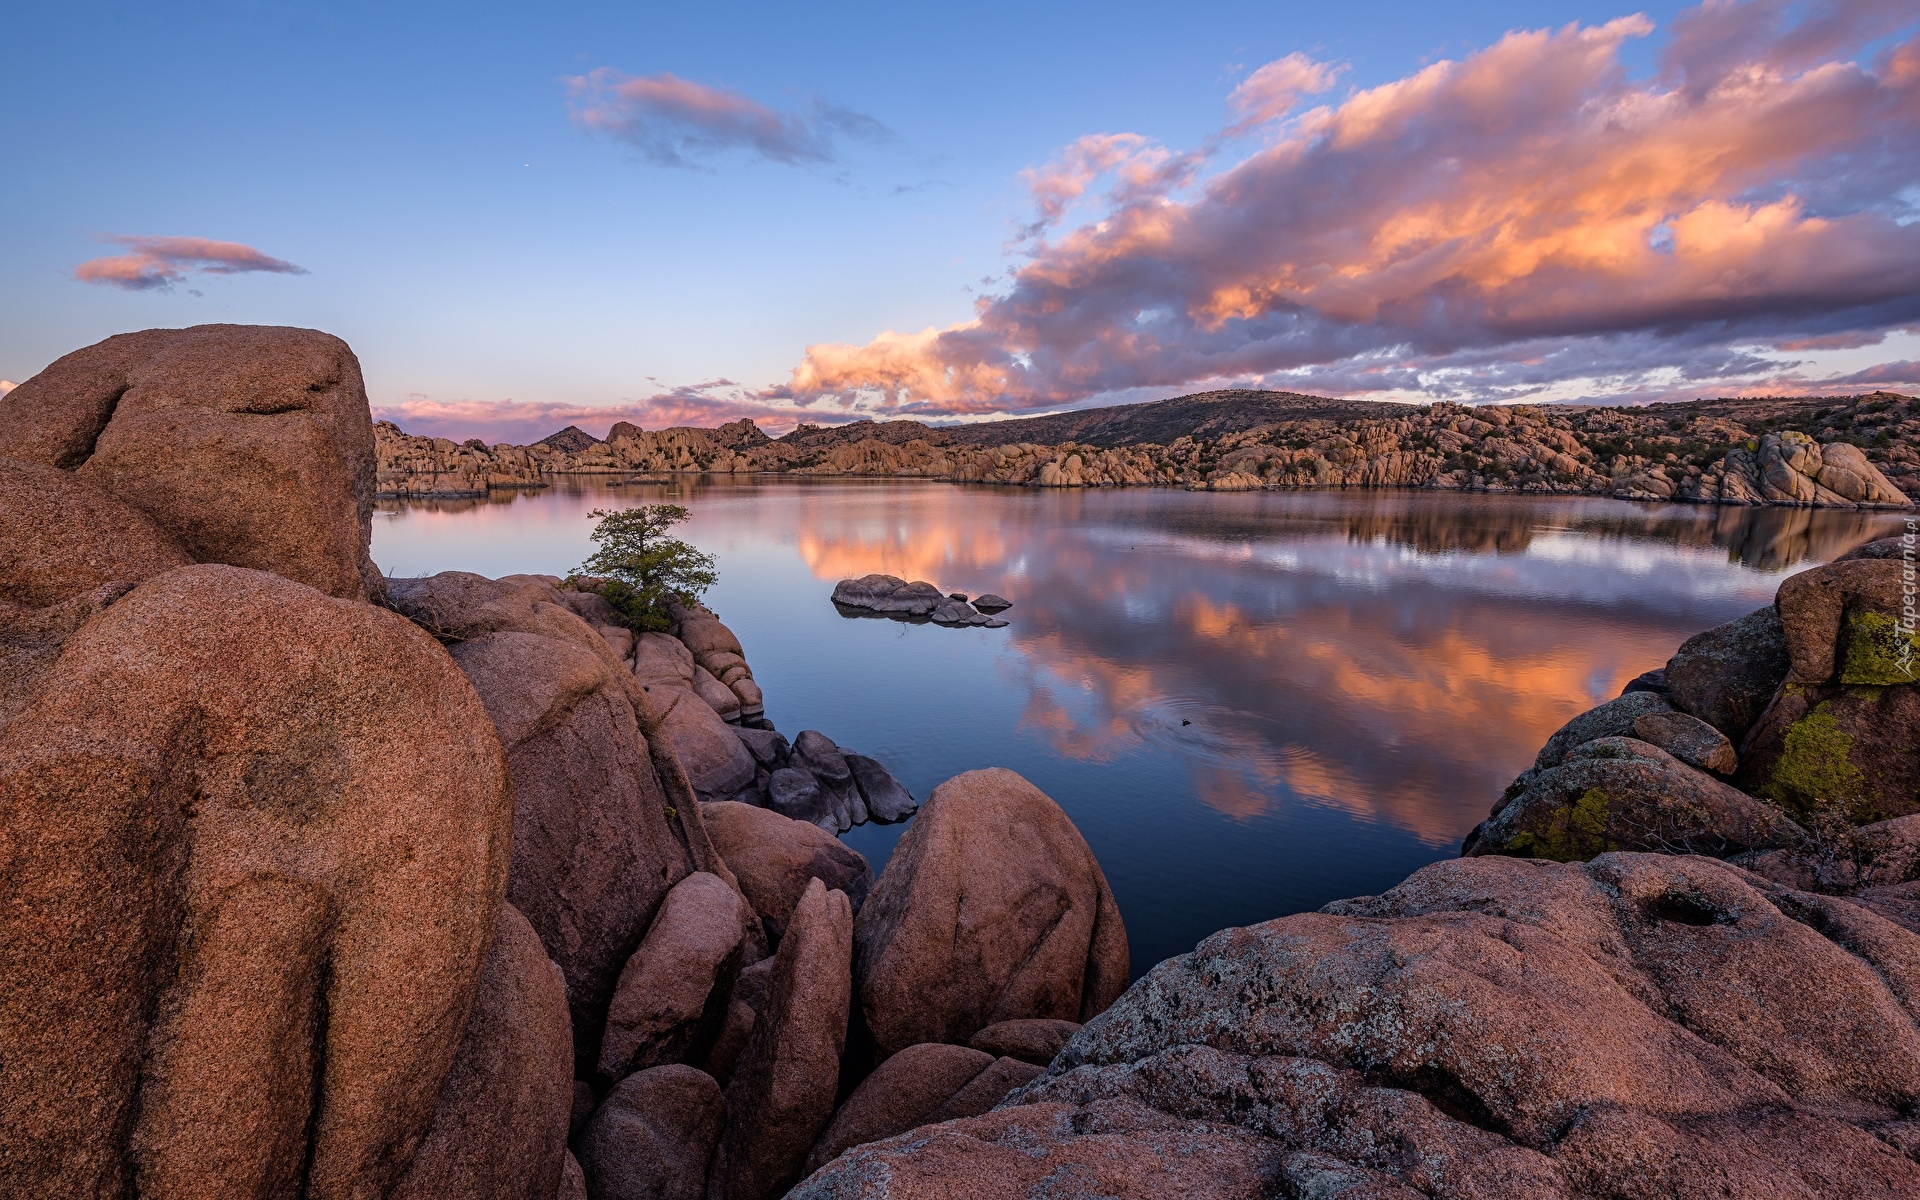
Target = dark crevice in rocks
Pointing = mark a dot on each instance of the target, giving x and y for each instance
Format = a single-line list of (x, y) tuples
[(1682, 909), (1442, 1089), (75, 459)]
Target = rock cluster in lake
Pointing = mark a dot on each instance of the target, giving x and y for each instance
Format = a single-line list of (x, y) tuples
[(891, 596), (326, 885), (1847, 452)]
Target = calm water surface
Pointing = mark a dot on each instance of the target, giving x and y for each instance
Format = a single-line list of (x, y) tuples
[(1250, 704)]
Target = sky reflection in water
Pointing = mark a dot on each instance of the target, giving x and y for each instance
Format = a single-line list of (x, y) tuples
[(1251, 704)]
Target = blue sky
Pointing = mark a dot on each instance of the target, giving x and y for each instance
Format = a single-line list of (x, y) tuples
[(458, 222)]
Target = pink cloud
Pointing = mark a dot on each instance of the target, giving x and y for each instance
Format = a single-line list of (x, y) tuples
[(7, 385), (673, 122), (1527, 214), (1273, 90), (157, 263)]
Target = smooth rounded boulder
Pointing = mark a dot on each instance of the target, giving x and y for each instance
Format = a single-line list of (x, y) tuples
[(901, 1093), (991, 909), (775, 857), (674, 991), (1727, 675), (257, 840), (500, 1130), (653, 1137), (251, 444), (782, 1091), (1029, 1041)]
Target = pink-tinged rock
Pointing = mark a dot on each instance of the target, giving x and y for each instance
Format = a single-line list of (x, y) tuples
[(255, 840), (65, 535), (775, 857), (653, 1136), (674, 991), (991, 909), (902, 1092), (781, 1095), (251, 444), (500, 1131), (1029, 1041), (1639, 1025)]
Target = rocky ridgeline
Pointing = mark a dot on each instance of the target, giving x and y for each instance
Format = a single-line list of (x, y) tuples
[(325, 885), (1838, 454)]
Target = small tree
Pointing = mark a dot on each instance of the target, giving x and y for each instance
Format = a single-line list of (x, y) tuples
[(646, 566)]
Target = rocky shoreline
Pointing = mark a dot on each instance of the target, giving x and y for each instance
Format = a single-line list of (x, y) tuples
[(326, 884), (1839, 452)]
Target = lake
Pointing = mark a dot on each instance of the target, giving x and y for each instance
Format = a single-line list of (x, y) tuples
[(1250, 703)]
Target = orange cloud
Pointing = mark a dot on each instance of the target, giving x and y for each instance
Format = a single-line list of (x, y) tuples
[(1529, 211), (157, 263)]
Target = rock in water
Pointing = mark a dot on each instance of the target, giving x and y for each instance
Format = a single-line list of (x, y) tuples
[(1727, 676), (1640, 1025), (782, 1091), (775, 857), (990, 603), (500, 1131), (992, 908), (250, 444), (886, 800), (795, 793), (653, 1137), (768, 747), (673, 992), (888, 594), (309, 789), (839, 796)]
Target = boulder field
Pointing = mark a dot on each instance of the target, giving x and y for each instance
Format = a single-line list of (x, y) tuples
[(318, 884)]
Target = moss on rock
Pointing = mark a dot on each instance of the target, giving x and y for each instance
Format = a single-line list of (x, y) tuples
[(1815, 770), (1878, 653), (1574, 832)]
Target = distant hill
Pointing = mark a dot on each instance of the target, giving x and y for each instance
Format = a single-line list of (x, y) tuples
[(1205, 414), (571, 440)]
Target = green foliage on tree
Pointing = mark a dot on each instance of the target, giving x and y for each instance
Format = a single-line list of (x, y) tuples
[(646, 566)]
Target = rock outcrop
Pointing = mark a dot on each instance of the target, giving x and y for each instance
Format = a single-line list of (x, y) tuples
[(775, 858), (251, 445), (257, 839), (1639, 1025), (674, 991), (782, 1091), (653, 1137), (597, 841), (991, 909), (888, 595), (500, 1129)]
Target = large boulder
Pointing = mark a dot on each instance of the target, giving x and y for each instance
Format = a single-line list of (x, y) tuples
[(594, 848), (775, 857), (718, 766), (674, 991), (1637, 1026), (600, 834), (839, 795), (255, 841), (782, 1091), (251, 444), (65, 535), (653, 1136), (1727, 675), (992, 908), (1845, 471), (1620, 793), (1843, 734), (500, 1131)]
